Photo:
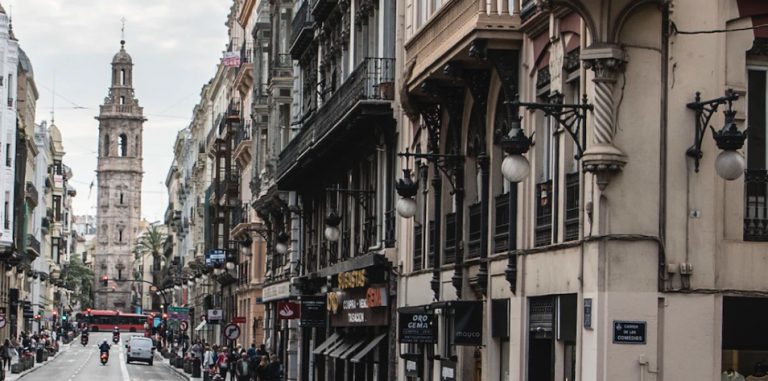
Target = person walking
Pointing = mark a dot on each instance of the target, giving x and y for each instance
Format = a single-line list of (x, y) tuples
[(261, 369), (222, 364), (274, 369), (6, 354), (243, 368)]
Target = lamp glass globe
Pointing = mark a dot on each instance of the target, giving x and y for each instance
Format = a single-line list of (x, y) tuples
[(406, 207), (281, 248), (332, 233), (729, 165), (515, 168), (230, 265)]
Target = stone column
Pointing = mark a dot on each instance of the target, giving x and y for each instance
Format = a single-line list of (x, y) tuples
[(602, 158)]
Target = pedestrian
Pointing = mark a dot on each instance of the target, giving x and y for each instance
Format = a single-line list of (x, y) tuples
[(243, 368), (6, 354), (261, 370), (274, 369), (221, 363), (232, 360)]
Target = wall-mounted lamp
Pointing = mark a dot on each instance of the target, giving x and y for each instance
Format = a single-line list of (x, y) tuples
[(332, 222), (406, 206), (730, 163)]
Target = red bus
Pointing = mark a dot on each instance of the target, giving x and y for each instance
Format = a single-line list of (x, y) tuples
[(107, 320)]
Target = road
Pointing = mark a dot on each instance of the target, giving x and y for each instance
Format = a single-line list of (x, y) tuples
[(80, 363)]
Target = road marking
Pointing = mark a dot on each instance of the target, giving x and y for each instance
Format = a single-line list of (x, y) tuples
[(123, 368)]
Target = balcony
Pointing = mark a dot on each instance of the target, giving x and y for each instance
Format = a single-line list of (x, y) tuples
[(446, 36), (322, 8), (243, 144), (756, 213), (244, 78), (361, 103), (33, 247), (121, 109), (30, 194), (302, 29), (240, 219)]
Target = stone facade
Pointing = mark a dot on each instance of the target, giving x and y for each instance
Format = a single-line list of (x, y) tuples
[(119, 180)]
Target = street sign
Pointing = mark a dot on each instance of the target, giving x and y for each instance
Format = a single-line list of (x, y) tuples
[(183, 325), (629, 332), (179, 310), (232, 331), (2, 321), (238, 319)]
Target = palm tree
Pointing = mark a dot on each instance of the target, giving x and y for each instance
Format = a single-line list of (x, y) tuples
[(152, 243)]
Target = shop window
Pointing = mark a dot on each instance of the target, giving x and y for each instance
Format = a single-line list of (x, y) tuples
[(745, 337), (756, 175)]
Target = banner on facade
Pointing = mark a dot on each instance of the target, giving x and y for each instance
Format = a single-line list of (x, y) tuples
[(231, 59), (312, 311), (358, 306), (467, 323), (288, 310), (417, 328), (276, 291)]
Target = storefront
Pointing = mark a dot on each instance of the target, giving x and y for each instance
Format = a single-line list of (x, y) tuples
[(431, 337), (278, 312), (356, 344)]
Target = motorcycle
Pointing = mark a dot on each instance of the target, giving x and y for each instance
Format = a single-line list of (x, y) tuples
[(84, 339), (116, 338), (104, 358)]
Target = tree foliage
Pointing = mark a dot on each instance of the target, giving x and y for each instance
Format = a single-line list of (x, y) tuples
[(151, 244), (79, 278)]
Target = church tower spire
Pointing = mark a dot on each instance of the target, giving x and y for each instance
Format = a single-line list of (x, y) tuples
[(119, 174)]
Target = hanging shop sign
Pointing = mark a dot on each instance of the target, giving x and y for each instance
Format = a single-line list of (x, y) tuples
[(629, 332), (215, 256), (288, 310), (353, 279), (467, 327), (417, 328), (447, 371), (276, 291), (215, 315), (312, 312), (358, 306)]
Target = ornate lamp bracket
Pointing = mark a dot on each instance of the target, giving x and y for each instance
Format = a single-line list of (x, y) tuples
[(704, 111)]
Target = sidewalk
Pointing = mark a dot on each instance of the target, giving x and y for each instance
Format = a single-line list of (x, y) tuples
[(179, 372), (13, 377)]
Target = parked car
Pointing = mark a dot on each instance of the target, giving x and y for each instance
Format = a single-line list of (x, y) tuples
[(140, 349)]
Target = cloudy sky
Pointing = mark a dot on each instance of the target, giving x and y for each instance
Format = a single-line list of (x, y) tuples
[(175, 45)]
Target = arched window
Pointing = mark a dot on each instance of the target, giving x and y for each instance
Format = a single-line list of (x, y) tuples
[(122, 100), (106, 145), (122, 77), (123, 145), (120, 235), (121, 198)]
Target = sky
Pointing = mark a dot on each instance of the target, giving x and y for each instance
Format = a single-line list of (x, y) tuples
[(175, 45)]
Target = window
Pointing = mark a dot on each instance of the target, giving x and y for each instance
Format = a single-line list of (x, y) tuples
[(10, 90), (8, 156), (55, 248), (56, 208), (7, 211), (106, 145), (756, 185), (122, 100), (121, 198), (120, 235), (546, 156), (122, 78), (123, 145)]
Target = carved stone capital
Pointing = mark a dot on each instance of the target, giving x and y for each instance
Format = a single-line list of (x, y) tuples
[(603, 160), (606, 60)]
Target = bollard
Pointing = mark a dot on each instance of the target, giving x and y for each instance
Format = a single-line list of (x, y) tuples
[(196, 367)]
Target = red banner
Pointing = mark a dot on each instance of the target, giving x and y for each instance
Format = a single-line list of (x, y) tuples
[(288, 310)]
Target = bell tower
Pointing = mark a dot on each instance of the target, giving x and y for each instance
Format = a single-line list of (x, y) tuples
[(119, 175)]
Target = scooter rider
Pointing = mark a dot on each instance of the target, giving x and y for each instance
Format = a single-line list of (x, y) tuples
[(104, 347)]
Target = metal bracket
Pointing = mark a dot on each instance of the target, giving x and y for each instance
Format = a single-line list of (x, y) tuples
[(442, 161), (704, 111), (571, 117)]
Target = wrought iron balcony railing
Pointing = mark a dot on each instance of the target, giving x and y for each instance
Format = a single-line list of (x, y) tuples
[(302, 28), (756, 207), (371, 81)]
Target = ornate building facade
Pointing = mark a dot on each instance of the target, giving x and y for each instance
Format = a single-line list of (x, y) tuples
[(120, 173)]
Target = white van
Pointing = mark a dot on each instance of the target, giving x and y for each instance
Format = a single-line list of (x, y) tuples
[(140, 349)]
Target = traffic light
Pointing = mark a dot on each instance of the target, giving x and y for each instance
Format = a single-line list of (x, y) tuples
[(37, 317), (55, 315), (105, 281), (64, 317), (89, 312)]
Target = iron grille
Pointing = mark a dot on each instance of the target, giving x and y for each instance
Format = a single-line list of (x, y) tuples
[(756, 213), (501, 229), (572, 206)]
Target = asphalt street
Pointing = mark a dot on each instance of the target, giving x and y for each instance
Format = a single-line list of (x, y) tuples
[(81, 363)]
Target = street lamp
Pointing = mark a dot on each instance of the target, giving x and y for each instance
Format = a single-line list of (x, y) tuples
[(729, 164), (282, 243), (332, 222), (406, 206)]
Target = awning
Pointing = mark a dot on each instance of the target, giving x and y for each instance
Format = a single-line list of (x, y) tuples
[(343, 347), (325, 344), (372, 344), (353, 348), (200, 326)]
